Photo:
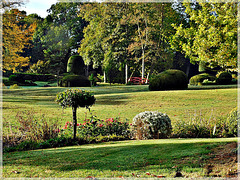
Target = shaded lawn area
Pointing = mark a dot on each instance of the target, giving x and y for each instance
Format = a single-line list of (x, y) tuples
[(117, 159)]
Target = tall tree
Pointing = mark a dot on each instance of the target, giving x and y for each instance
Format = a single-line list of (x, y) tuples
[(121, 34), (17, 36), (58, 36), (212, 35)]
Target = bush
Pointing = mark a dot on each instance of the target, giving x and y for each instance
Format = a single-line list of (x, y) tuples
[(224, 78), (76, 65), (198, 79), (151, 124), (74, 81), (95, 127), (203, 126), (17, 78), (169, 80), (30, 129), (231, 128), (15, 86)]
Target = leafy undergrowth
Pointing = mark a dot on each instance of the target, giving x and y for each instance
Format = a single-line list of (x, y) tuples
[(129, 159)]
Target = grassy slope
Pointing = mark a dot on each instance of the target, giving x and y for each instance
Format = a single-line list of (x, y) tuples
[(115, 159), (123, 101)]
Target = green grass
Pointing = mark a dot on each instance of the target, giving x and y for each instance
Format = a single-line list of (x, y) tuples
[(121, 101), (115, 159)]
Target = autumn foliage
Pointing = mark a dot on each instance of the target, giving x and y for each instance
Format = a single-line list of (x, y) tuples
[(17, 36)]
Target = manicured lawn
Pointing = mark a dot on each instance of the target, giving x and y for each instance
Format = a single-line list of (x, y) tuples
[(123, 101), (118, 159), (126, 158)]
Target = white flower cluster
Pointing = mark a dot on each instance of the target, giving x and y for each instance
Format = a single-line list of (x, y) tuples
[(152, 124)]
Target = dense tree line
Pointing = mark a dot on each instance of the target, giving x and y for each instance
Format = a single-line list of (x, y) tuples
[(122, 38)]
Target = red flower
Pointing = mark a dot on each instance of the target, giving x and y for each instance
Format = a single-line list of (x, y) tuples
[(84, 124), (100, 125), (78, 124), (130, 124), (110, 119)]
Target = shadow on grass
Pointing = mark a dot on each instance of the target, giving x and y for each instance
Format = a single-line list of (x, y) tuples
[(112, 100), (119, 157)]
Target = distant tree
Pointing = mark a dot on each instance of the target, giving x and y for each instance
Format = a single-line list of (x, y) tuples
[(17, 36), (58, 36), (212, 35)]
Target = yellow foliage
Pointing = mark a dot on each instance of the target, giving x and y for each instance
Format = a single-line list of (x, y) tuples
[(16, 36)]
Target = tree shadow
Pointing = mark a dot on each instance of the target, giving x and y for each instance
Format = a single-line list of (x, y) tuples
[(119, 157), (112, 100)]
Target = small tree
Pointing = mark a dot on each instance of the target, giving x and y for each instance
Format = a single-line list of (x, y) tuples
[(75, 98)]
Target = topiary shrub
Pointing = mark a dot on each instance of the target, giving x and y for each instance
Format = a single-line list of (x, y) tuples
[(198, 79), (75, 98), (169, 80), (224, 78), (74, 81), (152, 124), (76, 65)]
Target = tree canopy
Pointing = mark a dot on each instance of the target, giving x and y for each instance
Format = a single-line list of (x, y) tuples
[(212, 35)]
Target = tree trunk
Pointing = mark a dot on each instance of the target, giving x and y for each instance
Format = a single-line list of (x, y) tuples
[(143, 68), (74, 110), (126, 73), (104, 77)]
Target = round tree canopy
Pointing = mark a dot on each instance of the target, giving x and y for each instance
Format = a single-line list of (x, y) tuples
[(75, 98)]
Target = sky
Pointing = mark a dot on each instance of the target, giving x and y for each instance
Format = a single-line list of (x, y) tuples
[(38, 6)]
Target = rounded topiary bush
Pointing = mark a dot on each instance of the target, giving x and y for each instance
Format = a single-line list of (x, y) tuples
[(75, 65), (169, 80), (151, 124), (195, 80), (74, 81), (224, 78)]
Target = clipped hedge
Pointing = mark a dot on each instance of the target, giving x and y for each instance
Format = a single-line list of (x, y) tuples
[(198, 79), (76, 65), (74, 81), (224, 78), (169, 80)]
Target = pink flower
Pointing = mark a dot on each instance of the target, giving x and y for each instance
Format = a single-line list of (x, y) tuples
[(84, 124), (130, 124)]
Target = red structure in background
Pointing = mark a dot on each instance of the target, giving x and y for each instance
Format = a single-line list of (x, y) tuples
[(138, 80)]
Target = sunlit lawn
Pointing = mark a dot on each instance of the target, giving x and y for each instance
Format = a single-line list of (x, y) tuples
[(116, 159), (122, 101)]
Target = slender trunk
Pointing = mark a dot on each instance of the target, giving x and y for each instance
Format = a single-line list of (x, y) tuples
[(104, 77), (126, 73), (143, 68), (74, 110)]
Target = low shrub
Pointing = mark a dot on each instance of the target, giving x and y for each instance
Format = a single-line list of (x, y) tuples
[(224, 78), (30, 128), (17, 78), (74, 81), (231, 127), (15, 86), (151, 124), (169, 80), (203, 126), (198, 79), (95, 127)]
